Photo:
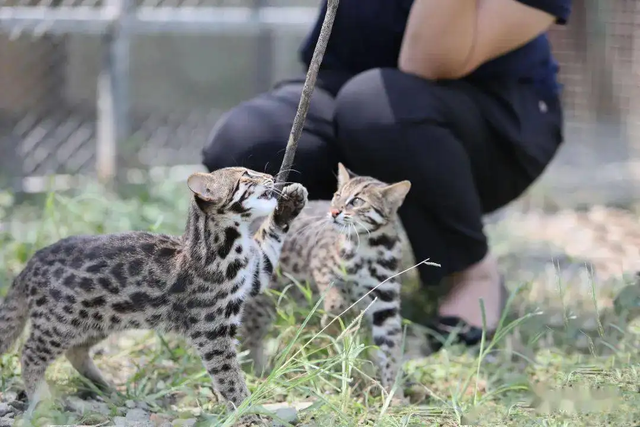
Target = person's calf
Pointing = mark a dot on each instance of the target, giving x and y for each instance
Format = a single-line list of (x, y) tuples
[(478, 281)]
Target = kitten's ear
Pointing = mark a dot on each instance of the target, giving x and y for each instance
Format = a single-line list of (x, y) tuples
[(201, 185), (344, 175), (395, 193)]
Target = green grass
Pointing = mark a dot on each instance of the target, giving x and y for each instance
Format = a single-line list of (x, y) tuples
[(538, 372)]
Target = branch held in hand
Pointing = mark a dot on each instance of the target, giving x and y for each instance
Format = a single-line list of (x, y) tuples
[(307, 90)]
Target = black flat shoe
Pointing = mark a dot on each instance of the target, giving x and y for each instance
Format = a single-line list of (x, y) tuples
[(452, 329)]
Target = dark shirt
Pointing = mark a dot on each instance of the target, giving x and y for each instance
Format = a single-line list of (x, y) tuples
[(368, 33)]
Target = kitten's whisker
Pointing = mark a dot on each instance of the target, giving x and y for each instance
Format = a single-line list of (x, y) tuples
[(305, 231), (349, 227), (313, 230), (361, 224), (285, 171), (272, 187), (357, 236), (288, 170), (318, 217), (341, 233), (318, 231), (311, 227), (317, 236)]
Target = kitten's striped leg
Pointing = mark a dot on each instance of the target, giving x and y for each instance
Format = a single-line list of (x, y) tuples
[(257, 318), (270, 239), (217, 349), (35, 360), (386, 325), (334, 301), (80, 358), (270, 236)]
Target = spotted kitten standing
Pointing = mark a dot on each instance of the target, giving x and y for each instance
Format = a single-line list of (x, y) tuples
[(356, 250), (81, 289)]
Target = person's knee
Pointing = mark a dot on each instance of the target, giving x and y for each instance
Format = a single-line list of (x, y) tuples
[(362, 104), (241, 137), (382, 99), (379, 116)]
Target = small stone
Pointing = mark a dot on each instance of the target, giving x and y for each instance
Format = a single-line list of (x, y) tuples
[(556, 321), (18, 405), (138, 416), (184, 422), (9, 396), (80, 406), (5, 409), (6, 422), (120, 421), (143, 405), (130, 404), (159, 420), (287, 415), (590, 325)]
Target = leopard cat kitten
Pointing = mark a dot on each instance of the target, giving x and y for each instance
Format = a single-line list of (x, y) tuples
[(356, 247), (81, 289)]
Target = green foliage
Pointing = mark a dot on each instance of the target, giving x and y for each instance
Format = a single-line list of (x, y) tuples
[(506, 382)]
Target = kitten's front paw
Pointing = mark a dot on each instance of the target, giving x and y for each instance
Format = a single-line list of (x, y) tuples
[(293, 200)]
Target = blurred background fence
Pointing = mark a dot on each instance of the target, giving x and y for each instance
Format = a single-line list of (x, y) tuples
[(105, 86)]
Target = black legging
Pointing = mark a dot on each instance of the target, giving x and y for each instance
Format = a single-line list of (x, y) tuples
[(466, 149)]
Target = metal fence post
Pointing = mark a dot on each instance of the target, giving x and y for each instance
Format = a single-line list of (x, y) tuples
[(633, 116), (113, 90), (264, 58)]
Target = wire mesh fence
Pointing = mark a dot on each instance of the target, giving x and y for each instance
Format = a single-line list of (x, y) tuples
[(74, 84), (599, 56), (187, 61), (43, 129)]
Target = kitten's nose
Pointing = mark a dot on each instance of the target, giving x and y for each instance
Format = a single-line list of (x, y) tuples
[(334, 212)]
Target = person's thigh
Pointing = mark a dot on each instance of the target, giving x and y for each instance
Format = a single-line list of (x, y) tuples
[(385, 112), (254, 135)]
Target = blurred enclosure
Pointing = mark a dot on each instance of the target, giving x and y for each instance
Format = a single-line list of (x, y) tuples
[(103, 86)]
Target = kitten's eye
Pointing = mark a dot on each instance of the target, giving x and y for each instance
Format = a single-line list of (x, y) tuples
[(355, 202)]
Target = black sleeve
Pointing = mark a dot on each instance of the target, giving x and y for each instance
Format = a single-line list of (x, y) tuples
[(561, 9)]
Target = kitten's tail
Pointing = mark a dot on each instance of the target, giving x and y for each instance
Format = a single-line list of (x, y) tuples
[(14, 312)]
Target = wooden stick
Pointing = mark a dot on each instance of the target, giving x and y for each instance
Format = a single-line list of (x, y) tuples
[(307, 91)]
